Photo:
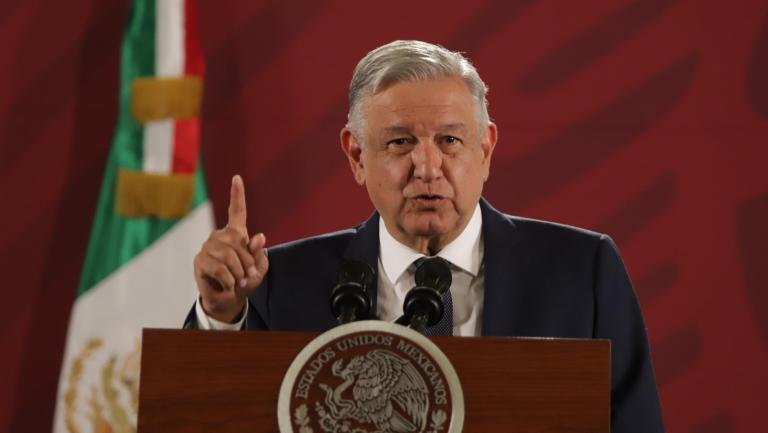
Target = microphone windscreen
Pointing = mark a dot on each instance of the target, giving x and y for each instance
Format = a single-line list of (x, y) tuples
[(355, 271), (434, 272)]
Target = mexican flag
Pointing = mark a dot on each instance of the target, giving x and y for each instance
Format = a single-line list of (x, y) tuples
[(152, 217)]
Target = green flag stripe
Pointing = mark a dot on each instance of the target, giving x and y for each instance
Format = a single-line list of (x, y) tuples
[(115, 240)]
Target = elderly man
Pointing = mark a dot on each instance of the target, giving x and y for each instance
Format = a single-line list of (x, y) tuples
[(420, 140)]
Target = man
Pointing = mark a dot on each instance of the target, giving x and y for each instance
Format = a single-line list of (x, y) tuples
[(420, 140)]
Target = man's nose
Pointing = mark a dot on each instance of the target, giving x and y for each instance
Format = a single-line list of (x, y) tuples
[(427, 161)]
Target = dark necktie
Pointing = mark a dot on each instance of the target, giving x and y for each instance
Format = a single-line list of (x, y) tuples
[(445, 326)]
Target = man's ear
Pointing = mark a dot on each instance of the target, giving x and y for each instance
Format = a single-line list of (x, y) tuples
[(354, 151), (487, 143)]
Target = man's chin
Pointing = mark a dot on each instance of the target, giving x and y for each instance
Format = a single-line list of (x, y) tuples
[(425, 226)]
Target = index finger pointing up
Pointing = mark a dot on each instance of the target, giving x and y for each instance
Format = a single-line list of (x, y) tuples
[(237, 214)]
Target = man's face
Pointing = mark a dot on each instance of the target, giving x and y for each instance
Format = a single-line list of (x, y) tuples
[(423, 158)]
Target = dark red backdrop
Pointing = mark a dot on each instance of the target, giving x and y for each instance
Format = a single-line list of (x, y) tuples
[(644, 119)]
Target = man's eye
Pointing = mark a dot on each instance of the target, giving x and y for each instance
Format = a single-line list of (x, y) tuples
[(449, 139), (398, 141)]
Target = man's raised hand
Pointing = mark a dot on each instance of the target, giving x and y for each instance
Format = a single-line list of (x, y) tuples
[(230, 265)]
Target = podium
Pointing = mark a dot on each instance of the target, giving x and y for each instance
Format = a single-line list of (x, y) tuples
[(209, 381)]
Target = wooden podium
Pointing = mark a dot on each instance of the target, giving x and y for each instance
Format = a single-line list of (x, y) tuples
[(208, 381)]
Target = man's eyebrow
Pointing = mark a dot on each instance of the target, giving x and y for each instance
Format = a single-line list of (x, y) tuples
[(397, 129), (454, 127)]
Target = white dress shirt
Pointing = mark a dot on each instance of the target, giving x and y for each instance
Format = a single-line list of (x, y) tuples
[(465, 254), (396, 277)]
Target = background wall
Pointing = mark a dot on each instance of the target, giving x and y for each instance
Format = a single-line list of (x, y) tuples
[(645, 119)]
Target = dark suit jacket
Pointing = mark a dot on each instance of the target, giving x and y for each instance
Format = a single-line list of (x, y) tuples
[(541, 279)]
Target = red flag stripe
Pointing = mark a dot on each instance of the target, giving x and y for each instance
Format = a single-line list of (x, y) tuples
[(187, 132)]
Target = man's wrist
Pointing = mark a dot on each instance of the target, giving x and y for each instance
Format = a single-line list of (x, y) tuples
[(231, 315)]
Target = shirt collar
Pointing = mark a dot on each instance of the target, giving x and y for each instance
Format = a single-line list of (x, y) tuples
[(465, 252)]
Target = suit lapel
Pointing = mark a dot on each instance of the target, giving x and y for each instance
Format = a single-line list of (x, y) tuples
[(501, 259), (364, 246)]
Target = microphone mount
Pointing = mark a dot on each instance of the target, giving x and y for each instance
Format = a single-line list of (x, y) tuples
[(349, 299)]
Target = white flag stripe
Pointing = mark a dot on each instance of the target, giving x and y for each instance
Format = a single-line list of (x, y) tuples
[(169, 38), (156, 289), (158, 146), (169, 62)]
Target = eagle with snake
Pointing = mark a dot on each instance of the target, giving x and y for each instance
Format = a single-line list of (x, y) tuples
[(387, 391)]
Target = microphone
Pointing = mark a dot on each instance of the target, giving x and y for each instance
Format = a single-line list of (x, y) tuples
[(423, 305), (349, 299)]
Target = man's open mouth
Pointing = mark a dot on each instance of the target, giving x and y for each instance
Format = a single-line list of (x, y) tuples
[(428, 201)]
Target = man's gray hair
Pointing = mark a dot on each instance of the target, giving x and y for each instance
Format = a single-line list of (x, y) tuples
[(404, 61)]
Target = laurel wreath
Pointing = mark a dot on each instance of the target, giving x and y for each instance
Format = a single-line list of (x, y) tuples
[(120, 419), (117, 413), (75, 374), (438, 419), (301, 419)]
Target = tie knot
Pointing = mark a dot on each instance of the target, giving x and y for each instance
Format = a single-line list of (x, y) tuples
[(432, 260)]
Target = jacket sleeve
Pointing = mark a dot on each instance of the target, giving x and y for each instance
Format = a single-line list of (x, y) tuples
[(252, 322), (635, 403), (191, 321)]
